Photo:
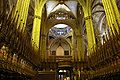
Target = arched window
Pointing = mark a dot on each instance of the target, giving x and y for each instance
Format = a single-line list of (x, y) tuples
[(60, 51)]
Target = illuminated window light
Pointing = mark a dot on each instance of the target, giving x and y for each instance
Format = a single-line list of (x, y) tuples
[(60, 26), (63, 6), (61, 71), (60, 18)]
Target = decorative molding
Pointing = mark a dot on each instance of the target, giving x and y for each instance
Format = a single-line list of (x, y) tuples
[(36, 16)]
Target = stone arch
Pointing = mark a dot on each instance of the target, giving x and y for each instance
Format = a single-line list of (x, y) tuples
[(51, 23), (53, 42), (61, 43)]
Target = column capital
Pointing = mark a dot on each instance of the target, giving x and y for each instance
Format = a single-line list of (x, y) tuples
[(36, 16), (88, 17)]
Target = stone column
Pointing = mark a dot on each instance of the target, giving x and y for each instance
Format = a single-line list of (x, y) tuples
[(39, 4), (88, 22), (80, 48), (21, 9), (112, 13)]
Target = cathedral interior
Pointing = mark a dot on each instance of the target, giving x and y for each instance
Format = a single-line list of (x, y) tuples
[(59, 39)]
